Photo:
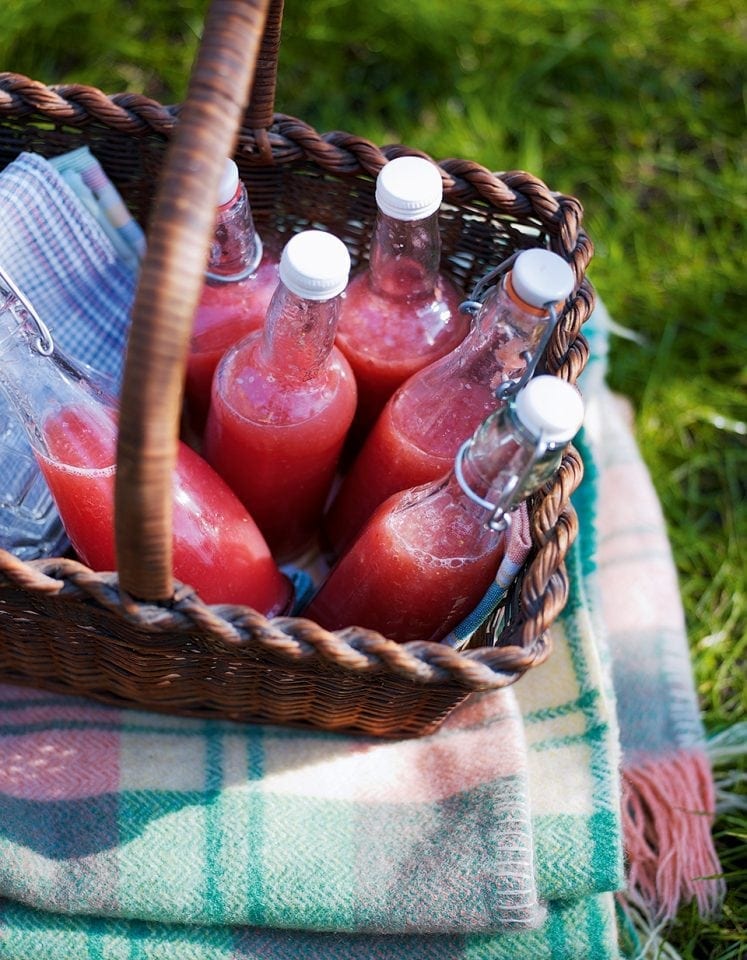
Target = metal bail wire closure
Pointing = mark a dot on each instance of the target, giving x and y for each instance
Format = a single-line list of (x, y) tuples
[(486, 281), (513, 491), (509, 388), (473, 306), (44, 342), (474, 303)]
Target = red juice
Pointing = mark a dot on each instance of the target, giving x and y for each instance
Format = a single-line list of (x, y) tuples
[(401, 313), (393, 328), (240, 279), (428, 554), (417, 569), (414, 441), (277, 443), (217, 547), (424, 423), (283, 398), (226, 313)]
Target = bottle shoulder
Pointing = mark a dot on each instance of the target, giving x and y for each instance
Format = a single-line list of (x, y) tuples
[(437, 519), (388, 324), (256, 392), (229, 309)]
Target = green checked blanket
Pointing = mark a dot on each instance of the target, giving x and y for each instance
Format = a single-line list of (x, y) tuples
[(130, 835)]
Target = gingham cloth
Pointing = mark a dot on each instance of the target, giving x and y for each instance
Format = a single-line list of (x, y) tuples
[(59, 255)]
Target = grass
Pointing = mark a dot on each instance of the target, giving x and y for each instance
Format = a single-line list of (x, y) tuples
[(634, 106)]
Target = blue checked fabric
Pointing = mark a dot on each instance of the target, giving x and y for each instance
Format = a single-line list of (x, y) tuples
[(62, 259)]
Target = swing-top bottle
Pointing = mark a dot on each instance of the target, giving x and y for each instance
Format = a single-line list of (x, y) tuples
[(421, 427)]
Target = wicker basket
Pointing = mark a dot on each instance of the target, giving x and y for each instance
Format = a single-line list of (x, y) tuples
[(138, 639)]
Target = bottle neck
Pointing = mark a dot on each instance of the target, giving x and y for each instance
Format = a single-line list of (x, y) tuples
[(42, 388), (504, 306), (298, 334), (405, 256), (236, 249), (504, 463), (505, 338)]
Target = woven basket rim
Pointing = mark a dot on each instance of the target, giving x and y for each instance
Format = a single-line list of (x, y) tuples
[(339, 152), (343, 155), (242, 630)]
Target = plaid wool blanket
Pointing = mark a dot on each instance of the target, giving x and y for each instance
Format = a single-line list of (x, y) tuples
[(125, 834)]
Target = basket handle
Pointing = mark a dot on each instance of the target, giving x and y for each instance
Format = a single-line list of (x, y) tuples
[(261, 109), (169, 289)]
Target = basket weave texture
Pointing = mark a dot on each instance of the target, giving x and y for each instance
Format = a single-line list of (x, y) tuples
[(64, 627)]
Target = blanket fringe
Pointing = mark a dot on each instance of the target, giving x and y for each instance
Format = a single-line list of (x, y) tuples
[(668, 806)]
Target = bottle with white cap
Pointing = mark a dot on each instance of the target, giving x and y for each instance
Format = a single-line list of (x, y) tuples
[(283, 398), (427, 555), (422, 425), (241, 276), (401, 312)]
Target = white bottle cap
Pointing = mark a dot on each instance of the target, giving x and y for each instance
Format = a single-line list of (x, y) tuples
[(229, 181), (409, 188), (315, 265), (540, 277), (551, 407)]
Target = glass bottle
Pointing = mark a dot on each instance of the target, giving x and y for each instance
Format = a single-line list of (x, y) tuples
[(72, 427), (421, 427), (428, 554), (400, 313), (239, 282), (30, 525), (283, 399)]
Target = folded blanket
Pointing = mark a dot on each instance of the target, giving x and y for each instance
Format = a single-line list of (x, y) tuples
[(183, 820), (574, 929), (129, 834), (434, 842)]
